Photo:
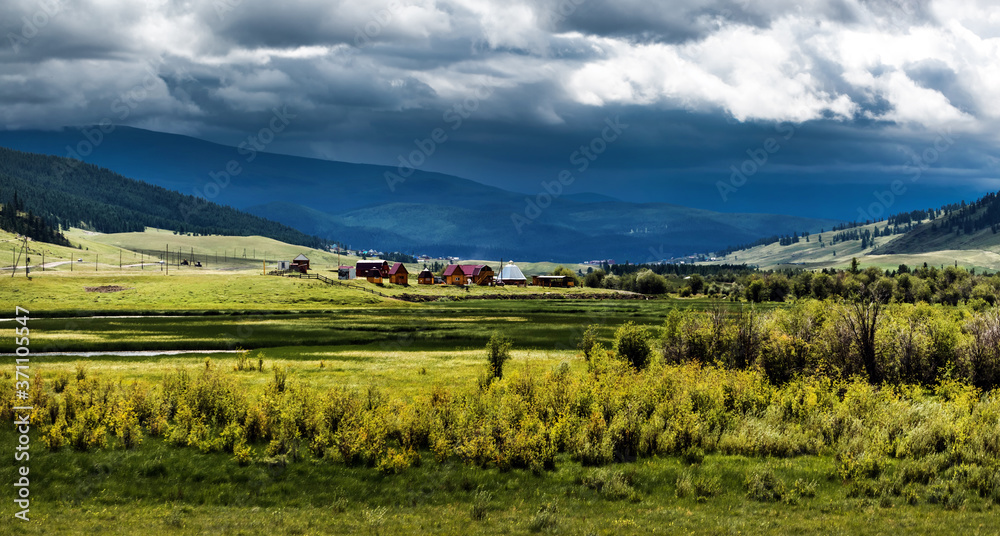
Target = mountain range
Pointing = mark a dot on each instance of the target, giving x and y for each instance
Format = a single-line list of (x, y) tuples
[(371, 206)]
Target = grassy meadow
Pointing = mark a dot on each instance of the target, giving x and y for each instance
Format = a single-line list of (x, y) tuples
[(819, 252), (336, 411)]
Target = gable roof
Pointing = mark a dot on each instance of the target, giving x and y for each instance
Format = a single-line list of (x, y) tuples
[(364, 266), (473, 270), (301, 257), (425, 273), (398, 268)]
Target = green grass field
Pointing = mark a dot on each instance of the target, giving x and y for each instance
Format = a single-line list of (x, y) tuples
[(330, 339), (166, 490)]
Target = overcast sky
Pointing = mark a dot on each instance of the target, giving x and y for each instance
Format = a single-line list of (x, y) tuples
[(838, 95)]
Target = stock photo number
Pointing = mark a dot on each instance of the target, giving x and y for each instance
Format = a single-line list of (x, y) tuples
[(22, 412)]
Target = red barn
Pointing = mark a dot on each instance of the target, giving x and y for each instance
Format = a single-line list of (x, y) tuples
[(300, 263), (363, 267)]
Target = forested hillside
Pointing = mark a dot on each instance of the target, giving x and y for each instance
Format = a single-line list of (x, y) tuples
[(958, 226), (14, 219), (64, 192)]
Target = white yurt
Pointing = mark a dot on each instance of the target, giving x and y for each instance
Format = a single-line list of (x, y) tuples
[(511, 275)]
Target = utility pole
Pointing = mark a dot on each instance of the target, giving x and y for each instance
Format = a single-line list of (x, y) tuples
[(168, 259), (43, 260)]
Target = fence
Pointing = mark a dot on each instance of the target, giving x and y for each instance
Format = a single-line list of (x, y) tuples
[(324, 279)]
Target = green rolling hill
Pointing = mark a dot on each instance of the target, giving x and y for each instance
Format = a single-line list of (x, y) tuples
[(966, 234)]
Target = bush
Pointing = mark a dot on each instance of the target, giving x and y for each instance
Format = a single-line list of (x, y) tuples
[(480, 505), (242, 360), (706, 487), (61, 382), (613, 485), (588, 341), (763, 485), (648, 282), (632, 345), (594, 279), (545, 519), (684, 486), (693, 455), (497, 354), (280, 378)]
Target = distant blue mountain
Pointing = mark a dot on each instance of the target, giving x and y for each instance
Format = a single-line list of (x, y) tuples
[(428, 212)]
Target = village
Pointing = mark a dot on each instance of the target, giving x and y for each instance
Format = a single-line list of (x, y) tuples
[(378, 272)]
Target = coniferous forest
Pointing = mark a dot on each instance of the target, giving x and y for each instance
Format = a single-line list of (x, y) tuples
[(53, 192)]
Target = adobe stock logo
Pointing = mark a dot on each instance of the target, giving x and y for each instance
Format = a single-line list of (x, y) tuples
[(454, 117), (915, 168), (581, 158), (37, 21)]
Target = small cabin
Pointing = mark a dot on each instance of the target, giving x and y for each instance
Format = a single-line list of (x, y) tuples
[(300, 263), (283, 265), (454, 275), (398, 274), (345, 273), (561, 281), (425, 277), (374, 276), (363, 267)]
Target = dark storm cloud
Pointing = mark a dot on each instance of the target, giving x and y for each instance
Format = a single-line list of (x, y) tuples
[(864, 83)]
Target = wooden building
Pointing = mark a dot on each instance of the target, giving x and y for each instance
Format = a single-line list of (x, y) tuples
[(479, 274), (425, 277), (366, 266), (300, 263), (562, 281), (455, 275), (463, 274), (398, 275), (374, 276)]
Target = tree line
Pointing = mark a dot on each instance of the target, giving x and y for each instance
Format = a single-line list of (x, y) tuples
[(67, 193)]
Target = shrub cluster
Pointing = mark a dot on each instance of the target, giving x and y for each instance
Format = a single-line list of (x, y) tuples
[(893, 343), (612, 412)]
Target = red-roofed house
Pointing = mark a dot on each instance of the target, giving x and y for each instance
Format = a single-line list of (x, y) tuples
[(398, 274), (454, 275), (374, 276), (366, 266), (479, 274)]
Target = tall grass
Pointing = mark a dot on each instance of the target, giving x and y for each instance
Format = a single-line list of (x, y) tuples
[(607, 414)]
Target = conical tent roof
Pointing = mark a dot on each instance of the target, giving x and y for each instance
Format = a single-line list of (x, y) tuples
[(512, 273)]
